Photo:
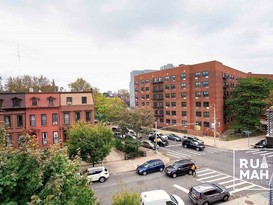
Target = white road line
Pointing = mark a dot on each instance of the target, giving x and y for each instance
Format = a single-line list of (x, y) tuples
[(178, 153), (201, 179), (219, 179), (252, 151), (226, 182), (203, 170), (181, 188), (270, 156), (211, 172), (238, 184), (241, 189), (266, 153), (260, 152)]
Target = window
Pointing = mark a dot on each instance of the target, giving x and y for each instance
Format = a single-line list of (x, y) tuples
[(84, 100), (206, 124), (68, 100), (51, 101), (197, 84), (147, 81), (183, 85), (88, 116), (173, 77), (183, 76), (198, 123), (168, 121), (173, 104), (197, 94), (174, 122), (184, 113), (183, 95), (167, 78), (168, 112), (54, 118), (147, 96), (205, 73), (43, 119), (136, 90), (205, 84), (155, 104), (160, 79), (183, 104), (32, 120), (44, 138), (147, 104), (172, 86), (197, 104), (147, 88), (142, 97), (173, 113), (206, 104), (198, 114), (167, 86), (197, 74), (136, 83), (206, 94), (142, 81), (167, 95), (34, 101), (7, 120), (206, 114), (16, 102), (19, 120), (173, 95), (142, 89), (66, 118), (77, 116), (55, 138), (184, 122), (167, 104), (136, 97)]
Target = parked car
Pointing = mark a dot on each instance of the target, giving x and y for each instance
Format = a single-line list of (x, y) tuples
[(160, 141), (193, 138), (207, 193), (148, 144), (193, 144), (174, 137), (153, 165), (159, 197), (179, 168), (159, 134), (263, 144), (97, 174)]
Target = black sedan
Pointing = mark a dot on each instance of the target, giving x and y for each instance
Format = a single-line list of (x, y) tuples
[(263, 144), (174, 137)]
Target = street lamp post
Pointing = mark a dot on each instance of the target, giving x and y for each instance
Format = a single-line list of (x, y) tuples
[(214, 124)]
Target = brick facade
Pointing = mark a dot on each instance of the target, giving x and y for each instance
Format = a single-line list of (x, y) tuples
[(190, 95)]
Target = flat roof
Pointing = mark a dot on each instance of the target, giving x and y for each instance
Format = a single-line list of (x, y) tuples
[(154, 195)]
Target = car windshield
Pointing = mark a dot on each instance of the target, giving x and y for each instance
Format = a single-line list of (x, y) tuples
[(175, 165), (195, 192), (146, 164)]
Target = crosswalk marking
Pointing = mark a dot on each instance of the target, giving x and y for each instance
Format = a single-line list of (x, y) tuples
[(242, 189), (181, 188), (226, 182), (259, 152), (203, 170), (236, 184), (211, 172), (210, 176), (219, 179)]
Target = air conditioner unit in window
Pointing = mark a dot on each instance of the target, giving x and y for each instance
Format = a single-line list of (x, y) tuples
[(69, 103), (55, 123)]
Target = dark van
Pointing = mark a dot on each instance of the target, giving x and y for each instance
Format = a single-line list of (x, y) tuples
[(153, 165)]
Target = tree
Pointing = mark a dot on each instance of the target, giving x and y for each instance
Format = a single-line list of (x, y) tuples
[(108, 109), (25, 82), (92, 143), (41, 176), (80, 85), (124, 197), (247, 103)]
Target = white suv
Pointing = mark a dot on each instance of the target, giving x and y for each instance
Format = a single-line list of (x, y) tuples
[(97, 174)]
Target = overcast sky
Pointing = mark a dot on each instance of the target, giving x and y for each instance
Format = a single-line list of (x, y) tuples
[(102, 41)]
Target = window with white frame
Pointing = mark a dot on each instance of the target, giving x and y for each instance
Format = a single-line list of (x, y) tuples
[(32, 120), (43, 120), (55, 137), (44, 138)]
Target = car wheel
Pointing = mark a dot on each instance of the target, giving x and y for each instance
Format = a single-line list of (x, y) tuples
[(102, 179), (161, 169), (197, 149), (206, 203), (185, 146), (226, 197), (190, 172), (174, 175), (144, 173)]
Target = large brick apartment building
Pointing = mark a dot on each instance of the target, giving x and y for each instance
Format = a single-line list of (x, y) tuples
[(190, 97), (45, 115)]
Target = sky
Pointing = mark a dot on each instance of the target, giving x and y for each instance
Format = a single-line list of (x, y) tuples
[(102, 41)]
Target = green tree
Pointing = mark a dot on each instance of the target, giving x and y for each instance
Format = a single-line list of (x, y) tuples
[(92, 143), (79, 85), (108, 109), (23, 83), (247, 103), (41, 176), (124, 197)]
